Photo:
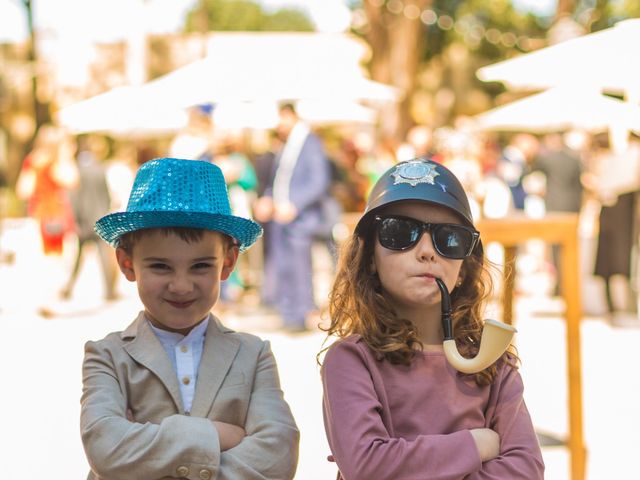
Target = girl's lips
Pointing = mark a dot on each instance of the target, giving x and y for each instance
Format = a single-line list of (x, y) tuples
[(426, 275)]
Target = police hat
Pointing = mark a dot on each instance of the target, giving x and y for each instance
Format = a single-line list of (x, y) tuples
[(419, 179)]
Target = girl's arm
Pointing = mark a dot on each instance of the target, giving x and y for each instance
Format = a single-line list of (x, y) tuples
[(360, 441), (507, 414)]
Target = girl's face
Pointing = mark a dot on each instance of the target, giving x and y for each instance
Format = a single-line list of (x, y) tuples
[(408, 277)]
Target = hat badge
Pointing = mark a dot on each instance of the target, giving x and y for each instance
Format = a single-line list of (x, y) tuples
[(414, 172)]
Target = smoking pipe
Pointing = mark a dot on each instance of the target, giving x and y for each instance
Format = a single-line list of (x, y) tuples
[(496, 337)]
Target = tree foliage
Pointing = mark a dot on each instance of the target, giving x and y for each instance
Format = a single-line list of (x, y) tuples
[(244, 15)]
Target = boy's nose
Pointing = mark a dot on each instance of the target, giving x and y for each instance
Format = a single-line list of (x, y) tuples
[(180, 284)]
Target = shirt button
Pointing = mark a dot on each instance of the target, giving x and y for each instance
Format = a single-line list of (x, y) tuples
[(186, 380), (184, 348), (182, 471), (205, 474)]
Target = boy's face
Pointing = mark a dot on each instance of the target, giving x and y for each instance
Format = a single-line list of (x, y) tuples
[(178, 281)]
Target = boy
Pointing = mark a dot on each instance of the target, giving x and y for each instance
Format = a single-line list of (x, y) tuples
[(176, 394)]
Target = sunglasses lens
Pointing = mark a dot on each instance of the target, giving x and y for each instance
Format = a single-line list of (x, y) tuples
[(452, 241), (398, 233)]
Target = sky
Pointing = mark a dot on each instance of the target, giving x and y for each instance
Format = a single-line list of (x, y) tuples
[(113, 19), (105, 20)]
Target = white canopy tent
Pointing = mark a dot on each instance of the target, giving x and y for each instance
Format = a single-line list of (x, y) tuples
[(561, 109), (122, 111), (608, 60), (245, 74), (273, 66)]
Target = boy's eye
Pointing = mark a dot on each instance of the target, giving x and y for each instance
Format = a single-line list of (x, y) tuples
[(159, 266), (202, 265)]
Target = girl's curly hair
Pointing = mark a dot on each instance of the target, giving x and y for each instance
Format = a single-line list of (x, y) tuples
[(358, 306)]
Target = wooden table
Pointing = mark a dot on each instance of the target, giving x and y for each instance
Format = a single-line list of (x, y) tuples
[(560, 229), (554, 228)]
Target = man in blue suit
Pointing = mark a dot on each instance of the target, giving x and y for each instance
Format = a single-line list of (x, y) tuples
[(294, 205)]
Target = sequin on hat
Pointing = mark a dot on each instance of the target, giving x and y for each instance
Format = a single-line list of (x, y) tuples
[(170, 192)]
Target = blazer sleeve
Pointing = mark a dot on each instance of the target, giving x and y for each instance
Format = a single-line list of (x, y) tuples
[(270, 449), (118, 449), (359, 439), (520, 456), (311, 177)]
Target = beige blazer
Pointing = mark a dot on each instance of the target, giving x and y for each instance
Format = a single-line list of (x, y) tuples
[(237, 383)]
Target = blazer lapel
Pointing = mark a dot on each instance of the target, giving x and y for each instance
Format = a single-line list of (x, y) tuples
[(219, 351), (146, 349)]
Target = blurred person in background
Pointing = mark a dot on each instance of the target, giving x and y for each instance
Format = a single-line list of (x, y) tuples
[(514, 164), (459, 151), (264, 165), (240, 176), (294, 206), (47, 173), (376, 157), (350, 186), (91, 200), (562, 190), (418, 143), (193, 142), (494, 193), (614, 178)]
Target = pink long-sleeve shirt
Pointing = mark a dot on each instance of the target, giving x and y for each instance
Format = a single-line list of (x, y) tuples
[(386, 421)]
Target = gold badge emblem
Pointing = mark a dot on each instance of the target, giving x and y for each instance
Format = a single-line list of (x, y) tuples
[(415, 172)]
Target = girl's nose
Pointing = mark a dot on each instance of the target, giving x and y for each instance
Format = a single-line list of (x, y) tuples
[(425, 251)]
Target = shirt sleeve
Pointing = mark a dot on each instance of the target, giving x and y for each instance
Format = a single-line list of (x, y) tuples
[(360, 442), (520, 456), (270, 449), (117, 448)]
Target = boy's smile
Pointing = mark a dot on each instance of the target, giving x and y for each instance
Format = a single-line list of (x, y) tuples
[(178, 281)]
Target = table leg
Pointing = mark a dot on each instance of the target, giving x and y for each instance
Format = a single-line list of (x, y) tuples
[(508, 275), (571, 294)]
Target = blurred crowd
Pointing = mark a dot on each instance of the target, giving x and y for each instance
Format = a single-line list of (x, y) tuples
[(307, 184)]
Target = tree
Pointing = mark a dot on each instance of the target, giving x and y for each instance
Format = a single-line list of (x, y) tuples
[(395, 34), (405, 35), (40, 110), (243, 15)]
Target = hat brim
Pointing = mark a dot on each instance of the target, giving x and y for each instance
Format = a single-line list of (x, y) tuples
[(111, 227)]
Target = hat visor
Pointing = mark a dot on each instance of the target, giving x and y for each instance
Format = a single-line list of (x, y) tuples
[(111, 227)]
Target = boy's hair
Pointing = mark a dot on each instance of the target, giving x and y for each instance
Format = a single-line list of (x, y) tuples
[(358, 306), (188, 234)]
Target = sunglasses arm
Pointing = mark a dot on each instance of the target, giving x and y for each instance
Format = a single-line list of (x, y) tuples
[(496, 338)]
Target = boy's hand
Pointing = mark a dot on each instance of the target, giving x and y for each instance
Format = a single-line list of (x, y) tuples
[(230, 435), (487, 443)]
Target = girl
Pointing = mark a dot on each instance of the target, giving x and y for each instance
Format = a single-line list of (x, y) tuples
[(393, 407)]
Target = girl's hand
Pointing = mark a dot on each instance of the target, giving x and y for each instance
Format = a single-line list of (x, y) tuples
[(487, 443), (230, 435)]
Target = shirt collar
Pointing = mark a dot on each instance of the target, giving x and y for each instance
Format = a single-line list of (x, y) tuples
[(174, 338)]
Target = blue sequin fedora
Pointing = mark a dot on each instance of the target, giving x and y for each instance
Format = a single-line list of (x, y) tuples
[(170, 192)]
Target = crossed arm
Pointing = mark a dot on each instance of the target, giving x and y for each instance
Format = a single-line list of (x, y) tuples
[(120, 448), (363, 447)]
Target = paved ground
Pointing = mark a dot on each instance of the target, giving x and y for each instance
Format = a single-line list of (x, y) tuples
[(41, 360)]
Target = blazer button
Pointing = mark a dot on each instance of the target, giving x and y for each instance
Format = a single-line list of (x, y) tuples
[(205, 474), (182, 471)]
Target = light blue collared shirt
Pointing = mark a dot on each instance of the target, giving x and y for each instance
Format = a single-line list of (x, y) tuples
[(185, 353)]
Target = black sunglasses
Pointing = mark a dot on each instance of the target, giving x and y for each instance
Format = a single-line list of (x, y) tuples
[(450, 240)]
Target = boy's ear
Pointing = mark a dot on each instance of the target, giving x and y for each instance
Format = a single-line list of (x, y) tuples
[(125, 262), (230, 259)]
